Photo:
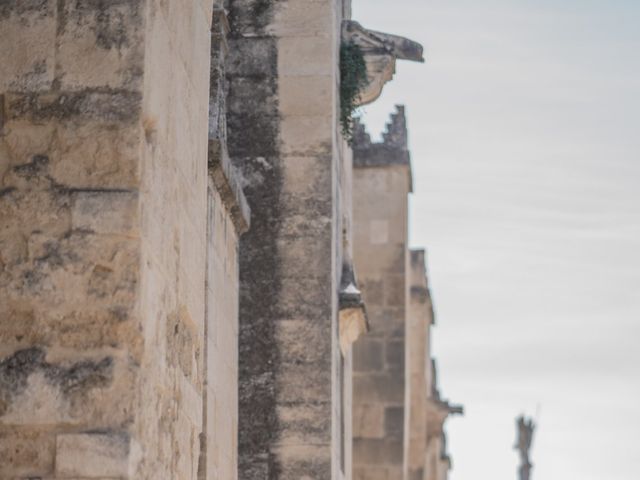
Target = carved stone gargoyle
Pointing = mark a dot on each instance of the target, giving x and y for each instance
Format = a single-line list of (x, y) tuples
[(381, 50)]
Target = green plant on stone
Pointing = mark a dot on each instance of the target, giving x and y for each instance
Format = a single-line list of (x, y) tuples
[(353, 79)]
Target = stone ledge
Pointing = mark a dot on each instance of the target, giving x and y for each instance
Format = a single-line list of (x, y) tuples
[(227, 183)]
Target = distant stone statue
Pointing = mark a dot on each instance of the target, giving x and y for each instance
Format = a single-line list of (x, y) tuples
[(525, 428)]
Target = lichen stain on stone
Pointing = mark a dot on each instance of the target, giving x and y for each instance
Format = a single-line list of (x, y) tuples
[(255, 14), (182, 349), (69, 379), (24, 7), (111, 21), (109, 106), (34, 167)]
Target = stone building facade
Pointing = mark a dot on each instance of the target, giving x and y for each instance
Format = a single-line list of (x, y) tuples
[(119, 244), (381, 185), (179, 242), (398, 415)]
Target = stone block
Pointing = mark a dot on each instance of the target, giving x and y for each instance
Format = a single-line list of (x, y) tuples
[(27, 45), (65, 156), (26, 454), (307, 95), (94, 455), (256, 92), (85, 392), (373, 290), (307, 135), (306, 55), (304, 297), (381, 452), (253, 57), (385, 322), (370, 473), (79, 107), (297, 462), (92, 156), (368, 420), (378, 232), (367, 355), (304, 383), (394, 291), (301, 341), (311, 18), (105, 212), (301, 424), (385, 388), (101, 45), (394, 354), (394, 423), (305, 178)]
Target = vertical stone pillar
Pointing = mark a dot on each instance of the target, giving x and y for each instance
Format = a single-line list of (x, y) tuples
[(381, 184), (284, 138), (103, 208)]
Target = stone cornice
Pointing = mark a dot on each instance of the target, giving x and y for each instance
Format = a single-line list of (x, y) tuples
[(227, 184)]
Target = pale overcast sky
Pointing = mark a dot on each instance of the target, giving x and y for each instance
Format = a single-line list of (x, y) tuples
[(525, 134)]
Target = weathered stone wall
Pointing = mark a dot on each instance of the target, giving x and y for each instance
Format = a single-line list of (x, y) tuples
[(284, 138), (70, 242), (104, 244), (381, 184)]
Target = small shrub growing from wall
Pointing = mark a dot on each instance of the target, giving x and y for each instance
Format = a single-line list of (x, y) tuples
[(353, 78)]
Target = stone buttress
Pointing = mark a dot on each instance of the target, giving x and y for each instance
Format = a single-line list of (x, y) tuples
[(117, 242)]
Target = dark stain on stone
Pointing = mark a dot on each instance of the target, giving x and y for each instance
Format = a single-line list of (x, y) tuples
[(33, 168), (16, 369), (23, 7), (81, 376), (52, 255), (253, 142), (2, 115), (103, 105), (250, 16), (112, 21), (119, 312), (419, 294), (7, 191), (99, 281), (32, 279)]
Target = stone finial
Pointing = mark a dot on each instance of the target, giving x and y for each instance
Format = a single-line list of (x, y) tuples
[(393, 150), (396, 129), (361, 138), (381, 50), (353, 315)]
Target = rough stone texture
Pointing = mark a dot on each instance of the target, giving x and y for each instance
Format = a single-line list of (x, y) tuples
[(94, 455), (381, 184), (294, 384), (118, 252)]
